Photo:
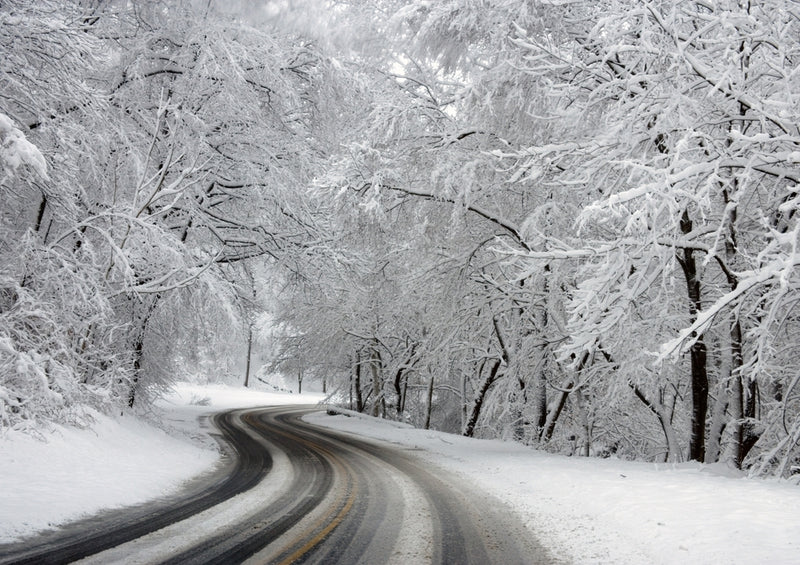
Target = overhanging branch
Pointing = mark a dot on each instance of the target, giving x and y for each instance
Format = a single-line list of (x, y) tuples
[(506, 225)]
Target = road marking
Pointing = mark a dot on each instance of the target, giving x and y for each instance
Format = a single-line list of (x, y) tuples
[(323, 533), (350, 487)]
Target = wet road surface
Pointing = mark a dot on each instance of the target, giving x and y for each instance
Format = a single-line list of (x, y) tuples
[(291, 492)]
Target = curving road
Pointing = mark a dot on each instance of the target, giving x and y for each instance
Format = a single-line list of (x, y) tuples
[(296, 493)]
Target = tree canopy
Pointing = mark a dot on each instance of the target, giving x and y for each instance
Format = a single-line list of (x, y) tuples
[(572, 224)]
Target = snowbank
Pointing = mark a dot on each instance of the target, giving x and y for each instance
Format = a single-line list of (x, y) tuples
[(75, 472)]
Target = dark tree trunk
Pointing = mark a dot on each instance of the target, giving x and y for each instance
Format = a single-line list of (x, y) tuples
[(138, 350), (540, 382), (552, 417), (697, 447), (357, 384), (376, 372), (555, 413), (540, 402), (749, 433), (40, 214), (469, 429), (249, 353), (429, 407), (401, 380), (697, 353), (738, 393), (398, 390), (405, 395), (519, 414)]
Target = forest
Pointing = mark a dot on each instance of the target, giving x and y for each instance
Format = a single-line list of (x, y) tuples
[(567, 223)]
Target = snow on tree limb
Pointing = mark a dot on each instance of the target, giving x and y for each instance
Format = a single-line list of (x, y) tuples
[(16, 150), (777, 270)]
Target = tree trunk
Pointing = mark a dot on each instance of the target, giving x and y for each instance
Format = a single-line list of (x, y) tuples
[(429, 407), (138, 350), (249, 352), (744, 394), (519, 413), (673, 447), (401, 380), (697, 353), (375, 367), (749, 433), (540, 383), (553, 415), (469, 429), (586, 423), (405, 395), (357, 384), (463, 399), (40, 213), (540, 402), (398, 390), (697, 447), (737, 404), (717, 426)]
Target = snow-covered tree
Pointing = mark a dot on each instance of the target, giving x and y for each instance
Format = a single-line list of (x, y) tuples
[(173, 144), (636, 162)]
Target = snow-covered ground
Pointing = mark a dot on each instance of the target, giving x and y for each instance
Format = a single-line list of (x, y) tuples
[(583, 510)]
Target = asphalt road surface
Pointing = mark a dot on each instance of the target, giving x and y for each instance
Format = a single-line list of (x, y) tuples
[(291, 492)]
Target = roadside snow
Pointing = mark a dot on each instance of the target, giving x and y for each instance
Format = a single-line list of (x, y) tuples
[(118, 462), (610, 511)]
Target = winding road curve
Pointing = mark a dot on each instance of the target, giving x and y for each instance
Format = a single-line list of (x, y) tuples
[(296, 493)]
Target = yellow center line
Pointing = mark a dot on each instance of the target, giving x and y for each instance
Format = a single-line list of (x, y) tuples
[(333, 523), (321, 535)]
